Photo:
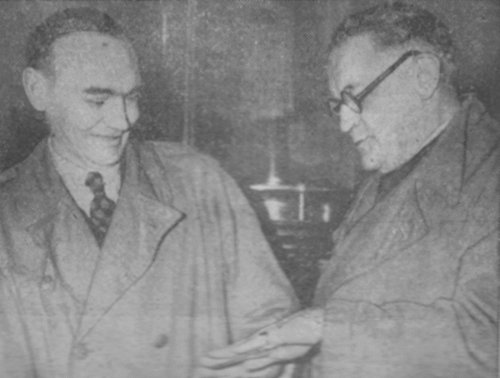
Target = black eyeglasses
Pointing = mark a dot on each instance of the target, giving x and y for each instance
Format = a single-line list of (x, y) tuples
[(354, 102)]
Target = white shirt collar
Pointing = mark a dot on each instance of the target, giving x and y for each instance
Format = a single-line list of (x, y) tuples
[(74, 175)]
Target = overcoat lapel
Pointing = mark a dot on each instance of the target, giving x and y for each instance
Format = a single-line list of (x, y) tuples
[(70, 248), (375, 233), (57, 227), (363, 204), (140, 223), (94, 278), (377, 236)]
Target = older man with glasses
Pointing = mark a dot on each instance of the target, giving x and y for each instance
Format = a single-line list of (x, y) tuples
[(411, 289)]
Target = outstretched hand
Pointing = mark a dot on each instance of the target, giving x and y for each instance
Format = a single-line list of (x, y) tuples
[(279, 343)]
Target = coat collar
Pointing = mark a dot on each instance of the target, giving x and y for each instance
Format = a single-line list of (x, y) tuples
[(468, 140), (374, 233), (442, 173), (124, 259), (142, 218), (41, 194)]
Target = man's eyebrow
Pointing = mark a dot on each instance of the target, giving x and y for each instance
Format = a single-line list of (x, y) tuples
[(137, 89), (109, 91), (99, 91), (350, 87)]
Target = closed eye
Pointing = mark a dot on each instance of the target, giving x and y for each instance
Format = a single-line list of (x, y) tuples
[(134, 96), (349, 89), (97, 101)]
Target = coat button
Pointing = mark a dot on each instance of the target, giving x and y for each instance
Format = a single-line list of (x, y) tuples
[(47, 282), (80, 351), (161, 341)]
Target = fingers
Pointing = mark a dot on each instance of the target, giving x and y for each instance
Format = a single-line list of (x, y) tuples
[(280, 342), (238, 371), (304, 327), (279, 355), (255, 342), (223, 360), (289, 352), (250, 355), (252, 347), (258, 341)]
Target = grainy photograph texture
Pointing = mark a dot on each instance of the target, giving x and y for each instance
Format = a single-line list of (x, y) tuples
[(249, 188)]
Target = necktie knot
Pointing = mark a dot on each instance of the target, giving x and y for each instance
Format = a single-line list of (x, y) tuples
[(101, 207), (95, 182)]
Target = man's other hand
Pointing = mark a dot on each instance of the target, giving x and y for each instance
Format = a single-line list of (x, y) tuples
[(277, 344)]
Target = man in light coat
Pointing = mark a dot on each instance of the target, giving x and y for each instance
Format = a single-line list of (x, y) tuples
[(118, 258), (411, 288)]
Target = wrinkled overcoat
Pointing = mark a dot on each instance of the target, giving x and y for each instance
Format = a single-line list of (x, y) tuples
[(184, 269), (412, 287)]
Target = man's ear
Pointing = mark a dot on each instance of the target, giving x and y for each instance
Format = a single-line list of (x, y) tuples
[(36, 86), (428, 70)]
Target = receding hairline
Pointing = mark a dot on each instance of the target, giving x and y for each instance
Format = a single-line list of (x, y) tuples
[(65, 22), (336, 55), (48, 66), (399, 25)]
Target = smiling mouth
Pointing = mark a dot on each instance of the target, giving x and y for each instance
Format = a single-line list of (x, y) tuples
[(109, 137), (357, 143)]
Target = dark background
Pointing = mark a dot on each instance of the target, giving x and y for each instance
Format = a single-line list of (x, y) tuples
[(244, 81)]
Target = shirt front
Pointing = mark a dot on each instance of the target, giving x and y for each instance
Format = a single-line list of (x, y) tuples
[(74, 175)]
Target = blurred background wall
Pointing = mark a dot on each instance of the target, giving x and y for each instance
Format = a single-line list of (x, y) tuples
[(244, 81)]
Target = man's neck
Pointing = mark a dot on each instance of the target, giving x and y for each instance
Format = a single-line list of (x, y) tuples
[(62, 153), (74, 172), (438, 118), (431, 121)]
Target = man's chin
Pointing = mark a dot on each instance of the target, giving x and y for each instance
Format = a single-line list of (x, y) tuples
[(370, 165), (106, 160)]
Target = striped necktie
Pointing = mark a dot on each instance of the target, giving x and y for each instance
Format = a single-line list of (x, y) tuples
[(101, 207)]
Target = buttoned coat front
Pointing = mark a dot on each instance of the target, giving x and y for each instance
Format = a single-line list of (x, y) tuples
[(184, 269), (412, 287)]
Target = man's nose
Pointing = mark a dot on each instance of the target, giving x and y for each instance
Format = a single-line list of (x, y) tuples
[(348, 119), (122, 115)]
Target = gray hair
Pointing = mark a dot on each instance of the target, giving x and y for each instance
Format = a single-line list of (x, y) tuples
[(393, 24)]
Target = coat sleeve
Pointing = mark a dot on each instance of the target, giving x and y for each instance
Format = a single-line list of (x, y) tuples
[(451, 337), (257, 291), (15, 353), (442, 326)]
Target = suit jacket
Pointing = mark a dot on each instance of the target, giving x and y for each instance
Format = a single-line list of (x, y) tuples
[(184, 269), (412, 287)]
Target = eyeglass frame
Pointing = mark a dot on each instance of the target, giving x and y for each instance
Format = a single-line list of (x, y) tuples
[(354, 102)]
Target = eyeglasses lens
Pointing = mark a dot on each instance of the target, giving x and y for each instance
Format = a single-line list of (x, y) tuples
[(349, 100), (334, 105)]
